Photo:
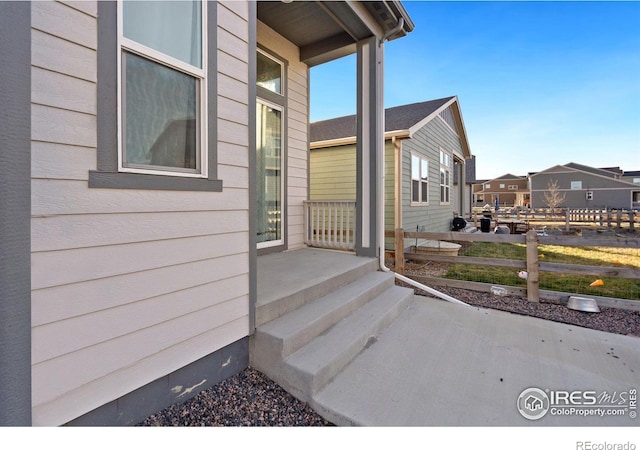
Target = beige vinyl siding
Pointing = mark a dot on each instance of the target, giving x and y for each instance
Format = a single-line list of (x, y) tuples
[(127, 285), (333, 177), (427, 142), (333, 173), (297, 118)]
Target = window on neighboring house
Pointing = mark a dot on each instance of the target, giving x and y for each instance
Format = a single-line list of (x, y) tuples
[(636, 181), (487, 186), (156, 132), (419, 179), (513, 187), (501, 185), (576, 185), (445, 177)]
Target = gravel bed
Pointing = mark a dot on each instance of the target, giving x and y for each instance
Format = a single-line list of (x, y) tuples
[(246, 399), (612, 320)]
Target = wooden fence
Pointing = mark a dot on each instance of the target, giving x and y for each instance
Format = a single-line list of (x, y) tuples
[(610, 218), (531, 265)]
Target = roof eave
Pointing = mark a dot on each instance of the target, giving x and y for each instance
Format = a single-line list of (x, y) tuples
[(398, 134)]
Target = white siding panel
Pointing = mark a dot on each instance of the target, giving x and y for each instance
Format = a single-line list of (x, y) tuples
[(233, 111), (71, 300), (62, 91), (239, 8), (234, 177), (59, 55), (67, 336), (232, 88), (81, 398), (231, 44), (233, 155), (86, 6), (50, 233), (233, 67), (53, 378), (74, 197), (61, 20), (62, 126), (60, 161), (234, 24), (76, 265), (233, 132)]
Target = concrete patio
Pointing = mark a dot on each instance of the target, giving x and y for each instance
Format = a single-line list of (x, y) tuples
[(441, 364)]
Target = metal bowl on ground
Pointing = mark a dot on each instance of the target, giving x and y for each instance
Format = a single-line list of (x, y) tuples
[(583, 304)]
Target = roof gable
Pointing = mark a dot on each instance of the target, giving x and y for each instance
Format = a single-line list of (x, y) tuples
[(573, 167), (396, 118), (583, 168), (406, 118), (507, 176)]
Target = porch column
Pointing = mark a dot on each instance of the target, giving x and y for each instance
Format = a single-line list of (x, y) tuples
[(370, 144)]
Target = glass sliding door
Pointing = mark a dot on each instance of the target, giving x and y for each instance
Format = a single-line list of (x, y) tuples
[(270, 205)]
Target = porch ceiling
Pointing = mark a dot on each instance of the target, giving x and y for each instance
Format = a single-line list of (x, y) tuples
[(327, 30)]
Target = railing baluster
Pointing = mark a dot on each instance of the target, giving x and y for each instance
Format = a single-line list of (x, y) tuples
[(329, 224)]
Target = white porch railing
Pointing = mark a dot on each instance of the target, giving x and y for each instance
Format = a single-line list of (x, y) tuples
[(330, 223)]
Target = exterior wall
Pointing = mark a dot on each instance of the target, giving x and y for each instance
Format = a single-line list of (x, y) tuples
[(332, 176), (507, 197), (297, 119), (434, 217), (127, 285), (333, 173), (607, 192)]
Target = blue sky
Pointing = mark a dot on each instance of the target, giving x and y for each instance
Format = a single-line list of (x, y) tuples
[(539, 83)]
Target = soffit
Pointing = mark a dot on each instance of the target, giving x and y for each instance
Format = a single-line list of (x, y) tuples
[(326, 30)]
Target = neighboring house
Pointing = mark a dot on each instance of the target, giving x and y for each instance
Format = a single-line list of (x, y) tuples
[(144, 168), (422, 143), (631, 176), (508, 190), (585, 187)]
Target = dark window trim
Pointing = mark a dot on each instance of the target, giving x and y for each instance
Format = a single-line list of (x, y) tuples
[(107, 175)]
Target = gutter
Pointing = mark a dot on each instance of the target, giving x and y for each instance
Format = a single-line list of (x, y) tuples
[(394, 30)]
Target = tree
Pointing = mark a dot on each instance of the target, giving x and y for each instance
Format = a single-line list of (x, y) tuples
[(553, 196)]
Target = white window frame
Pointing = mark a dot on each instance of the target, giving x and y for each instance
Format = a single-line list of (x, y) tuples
[(576, 185), (513, 187), (445, 168), (283, 206), (487, 186), (125, 44), (421, 201)]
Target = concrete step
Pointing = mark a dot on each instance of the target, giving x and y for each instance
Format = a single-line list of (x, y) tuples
[(281, 337), (310, 368), (309, 289)]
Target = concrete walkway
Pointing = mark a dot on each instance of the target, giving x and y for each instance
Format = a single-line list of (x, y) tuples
[(441, 364)]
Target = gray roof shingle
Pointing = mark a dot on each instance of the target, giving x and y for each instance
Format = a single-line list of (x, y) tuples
[(396, 118)]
